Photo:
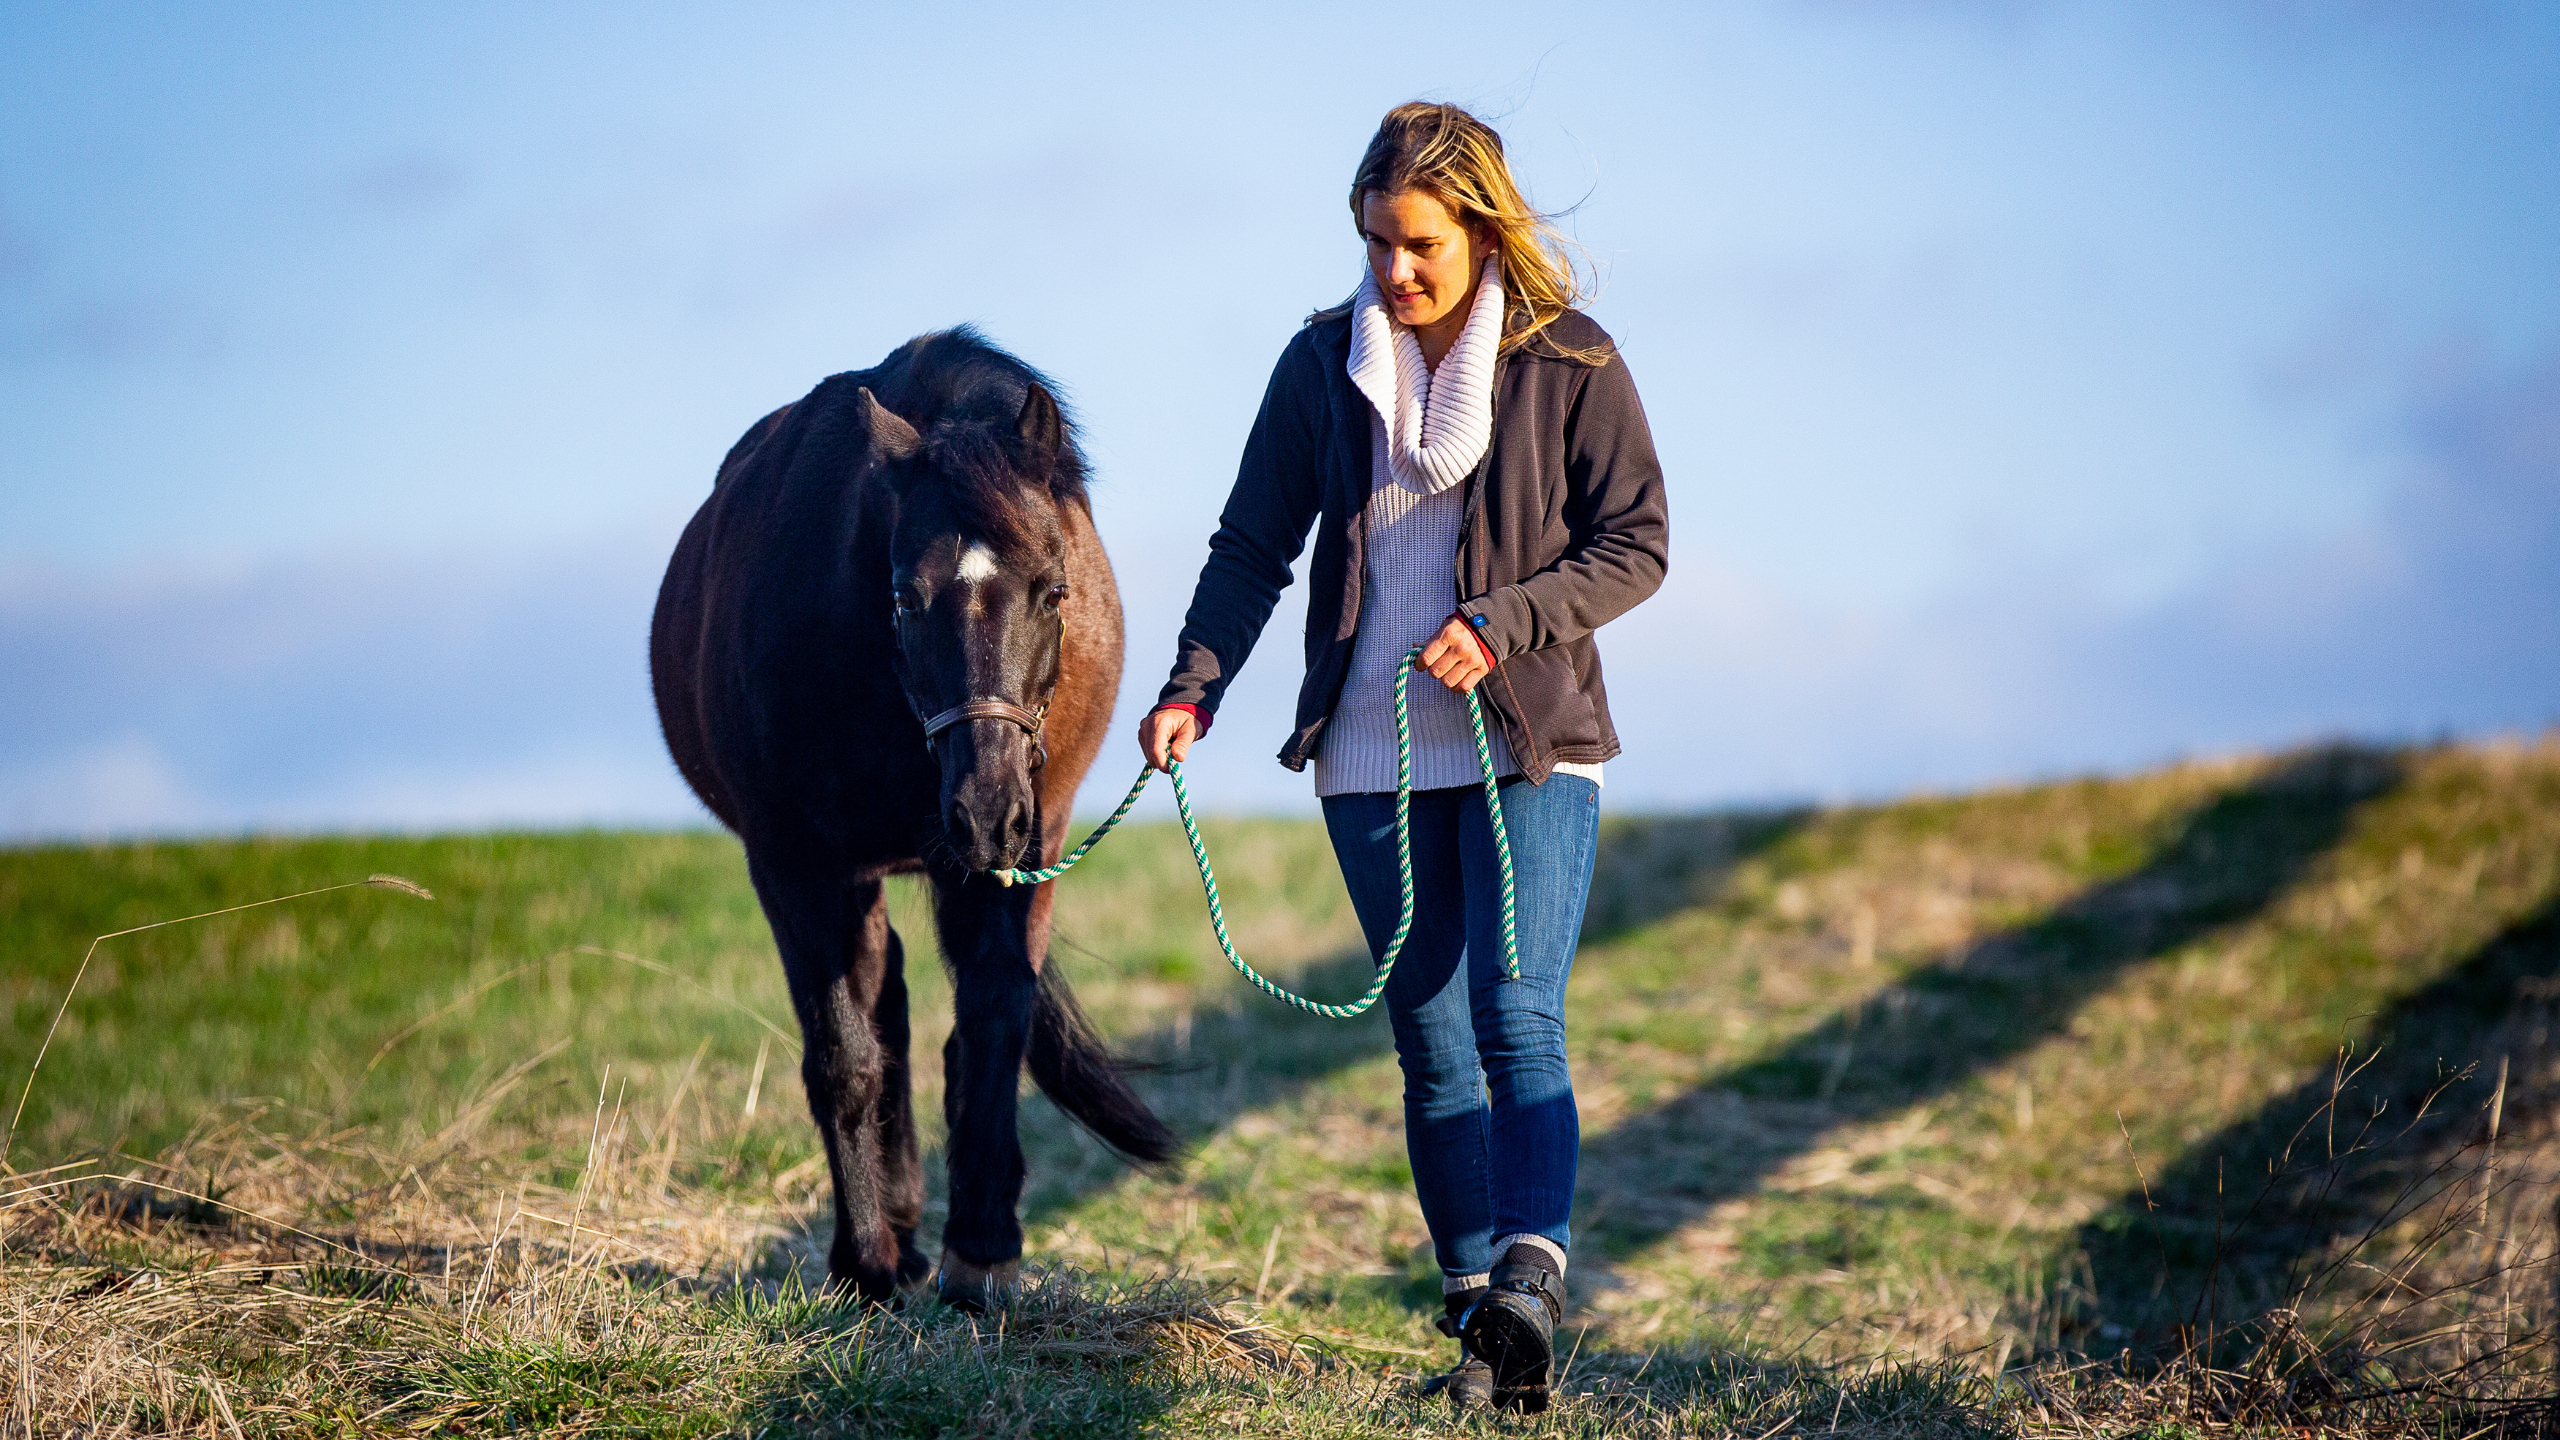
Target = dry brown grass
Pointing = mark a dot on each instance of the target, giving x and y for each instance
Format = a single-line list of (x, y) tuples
[(262, 1280)]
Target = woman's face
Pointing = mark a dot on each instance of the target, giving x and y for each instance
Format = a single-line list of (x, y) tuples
[(1425, 262)]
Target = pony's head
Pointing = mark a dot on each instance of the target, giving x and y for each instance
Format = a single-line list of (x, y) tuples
[(977, 577)]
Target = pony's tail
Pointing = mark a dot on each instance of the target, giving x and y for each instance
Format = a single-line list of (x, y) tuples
[(1081, 1076)]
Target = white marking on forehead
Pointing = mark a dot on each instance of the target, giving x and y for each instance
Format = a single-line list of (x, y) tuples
[(976, 563)]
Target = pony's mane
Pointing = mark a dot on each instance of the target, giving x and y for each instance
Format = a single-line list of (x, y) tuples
[(964, 395)]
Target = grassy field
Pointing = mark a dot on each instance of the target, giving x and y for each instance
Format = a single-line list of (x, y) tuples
[(2214, 1098)]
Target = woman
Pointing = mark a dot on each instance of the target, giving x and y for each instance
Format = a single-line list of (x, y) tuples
[(1473, 458)]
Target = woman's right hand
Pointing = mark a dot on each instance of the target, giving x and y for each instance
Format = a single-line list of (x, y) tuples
[(1166, 735)]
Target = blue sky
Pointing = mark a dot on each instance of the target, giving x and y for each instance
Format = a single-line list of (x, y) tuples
[(2042, 387)]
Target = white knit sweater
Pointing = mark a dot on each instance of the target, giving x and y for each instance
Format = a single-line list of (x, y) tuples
[(1427, 431)]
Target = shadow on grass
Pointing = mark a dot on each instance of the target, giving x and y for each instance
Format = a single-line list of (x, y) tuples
[(1651, 866), (2279, 1203), (1952, 1020), (1224, 1063), (1085, 1354), (1200, 1075), (931, 1372)]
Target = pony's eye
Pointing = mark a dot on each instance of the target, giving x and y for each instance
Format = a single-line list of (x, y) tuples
[(1058, 595), (905, 601)]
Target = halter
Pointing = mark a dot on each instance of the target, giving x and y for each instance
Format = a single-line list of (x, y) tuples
[(991, 709)]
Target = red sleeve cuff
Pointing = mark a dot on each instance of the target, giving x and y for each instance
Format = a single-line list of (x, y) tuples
[(1491, 662), (1198, 716)]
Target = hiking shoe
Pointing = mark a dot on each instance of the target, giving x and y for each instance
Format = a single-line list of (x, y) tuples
[(1470, 1386), (1513, 1330)]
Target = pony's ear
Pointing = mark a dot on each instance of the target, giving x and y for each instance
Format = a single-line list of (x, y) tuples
[(1040, 426), (892, 436)]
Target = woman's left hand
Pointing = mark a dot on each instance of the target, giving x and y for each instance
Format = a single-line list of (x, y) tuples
[(1453, 657)]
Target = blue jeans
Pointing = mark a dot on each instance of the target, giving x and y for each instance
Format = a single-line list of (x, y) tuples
[(1464, 1033)]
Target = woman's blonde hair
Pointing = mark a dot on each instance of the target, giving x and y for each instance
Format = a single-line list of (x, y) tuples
[(1450, 155)]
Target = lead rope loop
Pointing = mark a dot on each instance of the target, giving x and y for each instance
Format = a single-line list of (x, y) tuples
[(1404, 859)]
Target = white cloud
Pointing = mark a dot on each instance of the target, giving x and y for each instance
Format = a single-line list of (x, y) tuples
[(341, 692), (2438, 618), (117, 786)]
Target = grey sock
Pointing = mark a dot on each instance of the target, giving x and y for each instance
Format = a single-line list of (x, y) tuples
[(1538, 1255)]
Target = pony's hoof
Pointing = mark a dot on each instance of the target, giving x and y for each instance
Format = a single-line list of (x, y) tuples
[(913, 1290), (864, 1293), (976, 1289)]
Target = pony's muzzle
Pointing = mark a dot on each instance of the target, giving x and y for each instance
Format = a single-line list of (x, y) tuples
[(986, 789), (988, 836)]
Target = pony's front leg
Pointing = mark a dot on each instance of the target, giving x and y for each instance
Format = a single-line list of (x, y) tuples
[(894, 1114), (835, 941), (993, 989)]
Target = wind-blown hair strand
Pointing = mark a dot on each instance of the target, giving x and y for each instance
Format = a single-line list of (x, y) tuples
[(1444, 152)]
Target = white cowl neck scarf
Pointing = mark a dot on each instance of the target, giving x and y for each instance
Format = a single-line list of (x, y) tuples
[(1438, 423)]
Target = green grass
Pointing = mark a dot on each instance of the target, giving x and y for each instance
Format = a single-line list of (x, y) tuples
[(295, 1001), (1959, 1084)]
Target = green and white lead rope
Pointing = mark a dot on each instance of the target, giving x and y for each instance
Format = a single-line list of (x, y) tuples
[(1404, 859)]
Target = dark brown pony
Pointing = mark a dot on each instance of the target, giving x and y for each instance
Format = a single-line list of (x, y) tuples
[(907, 542)]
